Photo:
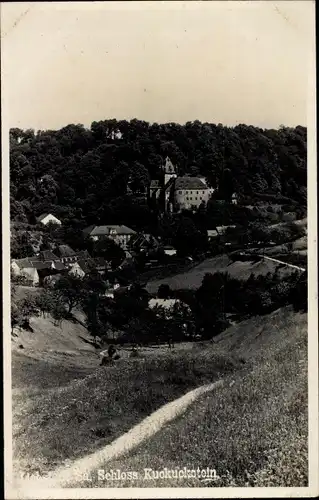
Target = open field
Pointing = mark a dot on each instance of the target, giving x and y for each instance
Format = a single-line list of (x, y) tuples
[(253, 429), (192, 279)]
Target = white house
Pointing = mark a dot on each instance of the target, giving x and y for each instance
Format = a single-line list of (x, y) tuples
[(25, 271), (47, 218), (120, 234)]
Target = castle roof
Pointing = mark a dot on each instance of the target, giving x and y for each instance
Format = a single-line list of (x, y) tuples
[(189, 183)]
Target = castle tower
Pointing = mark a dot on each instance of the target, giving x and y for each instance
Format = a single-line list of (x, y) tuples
[(170, 171)]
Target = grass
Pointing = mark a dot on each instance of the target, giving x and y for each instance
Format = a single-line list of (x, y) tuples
[(253, 430), (71, 421), (34, 374), (192, 279)]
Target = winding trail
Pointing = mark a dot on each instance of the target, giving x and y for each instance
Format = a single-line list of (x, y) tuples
[(64, 476)]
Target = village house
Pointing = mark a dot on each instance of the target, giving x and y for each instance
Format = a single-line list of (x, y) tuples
[(120, 234), (86, 265), (68, 256), (175, 193), (48, 218), (35, 270)]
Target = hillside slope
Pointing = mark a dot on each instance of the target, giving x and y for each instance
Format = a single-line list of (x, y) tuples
[(192, 278), (253, 430)]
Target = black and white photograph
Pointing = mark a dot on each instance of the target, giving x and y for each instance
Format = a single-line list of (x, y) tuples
[(159, 229)]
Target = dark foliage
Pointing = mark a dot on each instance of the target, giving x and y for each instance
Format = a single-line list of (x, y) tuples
[(101, 174)]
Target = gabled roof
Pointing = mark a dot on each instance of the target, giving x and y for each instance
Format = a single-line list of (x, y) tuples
[(86, 265), (189, 183), (90, 264), (31, 262), (83, 254), (105, 230), (65, 251), (43, 216), (47, 255), (23, 263), (89, 229)]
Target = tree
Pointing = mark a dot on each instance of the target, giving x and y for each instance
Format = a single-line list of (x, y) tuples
[(83, 174), (109, 250), (69, 290), (21, 245), (164, 291)]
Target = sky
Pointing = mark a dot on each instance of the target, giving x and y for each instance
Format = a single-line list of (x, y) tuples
[(215, 61)]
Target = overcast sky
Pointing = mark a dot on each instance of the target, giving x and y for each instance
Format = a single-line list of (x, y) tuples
[(221, 62)]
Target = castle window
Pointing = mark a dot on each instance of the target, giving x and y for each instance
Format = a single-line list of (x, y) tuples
[(203, 192), (196, 192), (180, 192), (186, 192), (196, 196)]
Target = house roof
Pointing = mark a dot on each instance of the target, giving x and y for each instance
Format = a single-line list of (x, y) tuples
[(90, 264), (89, 229), (30, 262), (23, 263), (43, 216), (105, 230), (65, 251), (86, 265), (47, 255), (189, 183), (83, 254)]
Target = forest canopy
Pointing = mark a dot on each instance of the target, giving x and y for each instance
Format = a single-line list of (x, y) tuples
[(100, 175)]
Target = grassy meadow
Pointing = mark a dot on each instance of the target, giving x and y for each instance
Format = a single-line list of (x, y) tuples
[(53, 426), (253, 430)]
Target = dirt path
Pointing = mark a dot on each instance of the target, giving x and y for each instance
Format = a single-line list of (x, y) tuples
[(65, 476), (281, 262)]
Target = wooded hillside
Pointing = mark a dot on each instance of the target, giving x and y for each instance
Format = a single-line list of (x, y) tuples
[(81, 175)]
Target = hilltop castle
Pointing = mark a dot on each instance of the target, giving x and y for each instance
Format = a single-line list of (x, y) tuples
[(175, 193)]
